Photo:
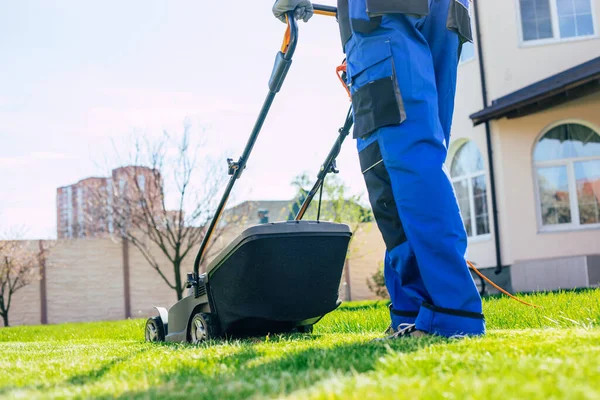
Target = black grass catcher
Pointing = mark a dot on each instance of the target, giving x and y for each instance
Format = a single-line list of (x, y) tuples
[(273, 278)]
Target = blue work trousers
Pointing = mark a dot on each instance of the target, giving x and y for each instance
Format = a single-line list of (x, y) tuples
[(402, 76)]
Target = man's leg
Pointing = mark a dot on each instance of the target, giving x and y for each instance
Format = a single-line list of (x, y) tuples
[(445, 46), (411, 154), (401, 273)]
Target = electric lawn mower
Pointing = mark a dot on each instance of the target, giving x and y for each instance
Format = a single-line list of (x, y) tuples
[(279, 277)]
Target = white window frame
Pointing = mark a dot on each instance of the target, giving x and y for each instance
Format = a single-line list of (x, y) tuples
[(474, 238), (70, 211), (109, 201), (141, 181), (80, 207), (575, 224), (469, 178), (555, 27)]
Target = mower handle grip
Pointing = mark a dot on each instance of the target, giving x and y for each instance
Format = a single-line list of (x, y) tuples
[(290, 38), (283, 61), (329, 11)]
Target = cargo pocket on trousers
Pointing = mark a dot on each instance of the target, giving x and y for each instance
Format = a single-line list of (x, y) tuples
[(376, 96)]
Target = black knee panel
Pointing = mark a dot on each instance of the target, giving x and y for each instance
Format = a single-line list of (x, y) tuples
[(381, 196)]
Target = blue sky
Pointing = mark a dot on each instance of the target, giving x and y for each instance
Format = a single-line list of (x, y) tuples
[(75, 76)]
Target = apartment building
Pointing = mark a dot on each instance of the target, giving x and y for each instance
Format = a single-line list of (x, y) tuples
[(525, 152), (87, 208)]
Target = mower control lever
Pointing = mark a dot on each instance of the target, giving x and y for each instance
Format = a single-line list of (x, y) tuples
[(333, 168), (232, 166), (190, 280)]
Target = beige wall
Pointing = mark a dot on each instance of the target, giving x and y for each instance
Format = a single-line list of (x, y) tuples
[(25, 306), (521, 236), (85, 279), (510, 64), (367, 251), (147, 288), (513, 141)]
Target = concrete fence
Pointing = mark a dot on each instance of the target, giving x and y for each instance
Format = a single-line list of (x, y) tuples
[(101, 279)]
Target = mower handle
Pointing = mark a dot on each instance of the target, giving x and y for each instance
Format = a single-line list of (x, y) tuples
[(329, 11), (283, 62), (290, 38), (280, 69)]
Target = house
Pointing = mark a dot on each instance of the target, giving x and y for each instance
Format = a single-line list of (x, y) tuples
[(91, 208), (525, 150), (253, 212)]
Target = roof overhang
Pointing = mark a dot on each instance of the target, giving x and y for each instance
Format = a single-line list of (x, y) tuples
[(568, 85)]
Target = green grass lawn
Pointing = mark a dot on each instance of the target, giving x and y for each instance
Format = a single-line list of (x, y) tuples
[(552, 352)]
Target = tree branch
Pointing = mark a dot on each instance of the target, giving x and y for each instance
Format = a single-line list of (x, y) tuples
[(146, 253)]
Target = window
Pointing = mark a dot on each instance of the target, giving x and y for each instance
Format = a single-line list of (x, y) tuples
[(556, 19), (80, 220), (467, 53), (70, 211), (567, 167), (468, 178), (468, 49), (109, 198), (141, 180)]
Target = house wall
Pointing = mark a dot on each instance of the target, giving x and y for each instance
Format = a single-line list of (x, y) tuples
[(511, 65), (521, 237)]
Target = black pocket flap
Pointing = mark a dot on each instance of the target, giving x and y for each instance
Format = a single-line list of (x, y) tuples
[(459, 20), (381, 7), (377, 104)]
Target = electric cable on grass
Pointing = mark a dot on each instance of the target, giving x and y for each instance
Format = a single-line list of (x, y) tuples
[(488, 280)]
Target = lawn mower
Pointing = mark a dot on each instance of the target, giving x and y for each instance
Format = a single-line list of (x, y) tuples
[(279, 277)]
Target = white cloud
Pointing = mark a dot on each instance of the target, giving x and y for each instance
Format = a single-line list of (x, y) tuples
[(13, 161), (32, 158), (49, 155)]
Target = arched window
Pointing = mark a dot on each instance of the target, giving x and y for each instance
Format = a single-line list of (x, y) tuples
[(468, 178), (567, 167)]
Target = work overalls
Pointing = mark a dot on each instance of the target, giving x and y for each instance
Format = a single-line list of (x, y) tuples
[(402, 58)]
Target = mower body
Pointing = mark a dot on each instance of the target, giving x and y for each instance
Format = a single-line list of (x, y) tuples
[(272, 278)]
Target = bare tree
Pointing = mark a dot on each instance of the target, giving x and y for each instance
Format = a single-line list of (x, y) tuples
[(162, 202), (20, 265)]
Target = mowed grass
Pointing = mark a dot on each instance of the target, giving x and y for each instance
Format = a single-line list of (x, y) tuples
[(547, 353)]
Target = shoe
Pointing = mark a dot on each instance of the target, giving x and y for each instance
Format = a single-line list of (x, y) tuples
[(390, 330), (404, 330)]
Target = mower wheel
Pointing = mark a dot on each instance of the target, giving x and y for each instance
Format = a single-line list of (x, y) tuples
[(305, 329), (155, 331), (201, 328)]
